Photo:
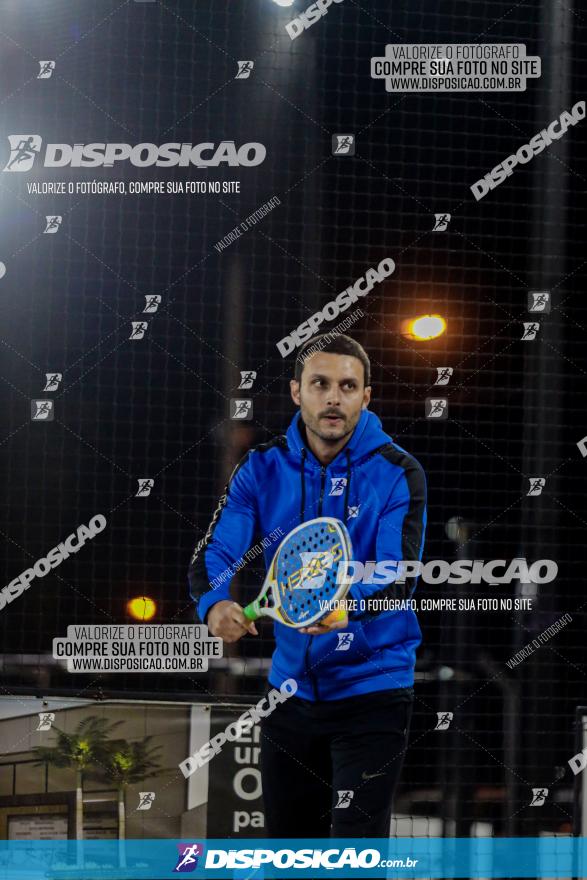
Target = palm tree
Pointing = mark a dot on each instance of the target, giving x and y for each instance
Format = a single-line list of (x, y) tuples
[(124, 764), (84, 748)]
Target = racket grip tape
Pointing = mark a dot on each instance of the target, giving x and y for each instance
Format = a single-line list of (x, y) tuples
[(251, 611)]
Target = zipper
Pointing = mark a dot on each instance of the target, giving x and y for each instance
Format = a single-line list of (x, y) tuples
[(322, 482), (311, 677)]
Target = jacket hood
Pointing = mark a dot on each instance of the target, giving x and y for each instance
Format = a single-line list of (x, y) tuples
[(367, 436)]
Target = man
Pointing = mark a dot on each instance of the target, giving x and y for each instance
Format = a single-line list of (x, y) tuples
[(331, 754)]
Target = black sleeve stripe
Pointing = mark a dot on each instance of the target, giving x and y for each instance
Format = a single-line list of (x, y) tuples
[(197, 574), (413, 524)]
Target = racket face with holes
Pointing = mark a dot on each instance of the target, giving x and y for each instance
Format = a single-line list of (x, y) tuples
[(306, 568)]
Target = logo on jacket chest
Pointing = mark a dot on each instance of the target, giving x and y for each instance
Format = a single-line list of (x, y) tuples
[(337, 485)]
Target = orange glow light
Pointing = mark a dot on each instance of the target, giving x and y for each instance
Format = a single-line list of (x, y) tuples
[(424, 327), (141, 608)]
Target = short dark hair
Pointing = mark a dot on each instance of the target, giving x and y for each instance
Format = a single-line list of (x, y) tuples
[(332, 344)]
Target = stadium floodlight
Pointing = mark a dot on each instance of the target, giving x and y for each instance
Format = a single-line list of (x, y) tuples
[(141, 608), (424, 327)]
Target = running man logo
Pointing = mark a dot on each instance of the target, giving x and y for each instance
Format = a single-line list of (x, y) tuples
[(53, 381), (539, 796), (444, 719), (247, 379), (539, 301), (344, 641), (241, 409), (24, 149), (189, 854), (152, 303), (441, 222), (46, 69), (537, 484), (338, 485), (146, 799), (436, 408), (343, 145), (145, 486), (245, 69), (344, 800), (46, 719), (314, 568), (531, 329), (53, 223), (42, 411), (139, 328), (444, 374)]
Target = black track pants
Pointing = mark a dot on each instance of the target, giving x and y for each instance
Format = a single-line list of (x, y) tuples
[(330, 769)]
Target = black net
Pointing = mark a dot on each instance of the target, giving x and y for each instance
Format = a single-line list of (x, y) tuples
[(158, 408)]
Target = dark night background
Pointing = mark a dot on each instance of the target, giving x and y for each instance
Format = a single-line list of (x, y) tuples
[(158, 408)]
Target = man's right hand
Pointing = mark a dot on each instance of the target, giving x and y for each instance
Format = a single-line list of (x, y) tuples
[(227, 621)]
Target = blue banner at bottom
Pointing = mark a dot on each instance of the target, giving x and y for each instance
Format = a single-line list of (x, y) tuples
[(261, 859)]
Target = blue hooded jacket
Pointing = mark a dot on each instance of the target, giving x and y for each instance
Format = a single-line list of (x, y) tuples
[(379, 491)]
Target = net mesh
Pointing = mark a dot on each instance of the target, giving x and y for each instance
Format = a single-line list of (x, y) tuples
[(158, 408)]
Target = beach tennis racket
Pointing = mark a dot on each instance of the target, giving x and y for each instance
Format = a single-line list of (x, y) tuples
[(303, 582)]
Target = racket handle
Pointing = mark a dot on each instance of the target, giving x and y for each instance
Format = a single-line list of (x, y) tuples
[(251, 611)]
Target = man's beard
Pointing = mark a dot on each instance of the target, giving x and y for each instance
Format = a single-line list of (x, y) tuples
[(313, 424)]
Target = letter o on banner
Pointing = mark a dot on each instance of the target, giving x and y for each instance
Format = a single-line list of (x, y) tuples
[(551, 571), (98, 523), (41, 568), (239, 786), (331, 311), (524, 154), (368, 858), (386, 267)]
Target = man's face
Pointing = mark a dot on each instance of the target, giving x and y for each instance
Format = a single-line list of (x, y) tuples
[(331, 395)]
